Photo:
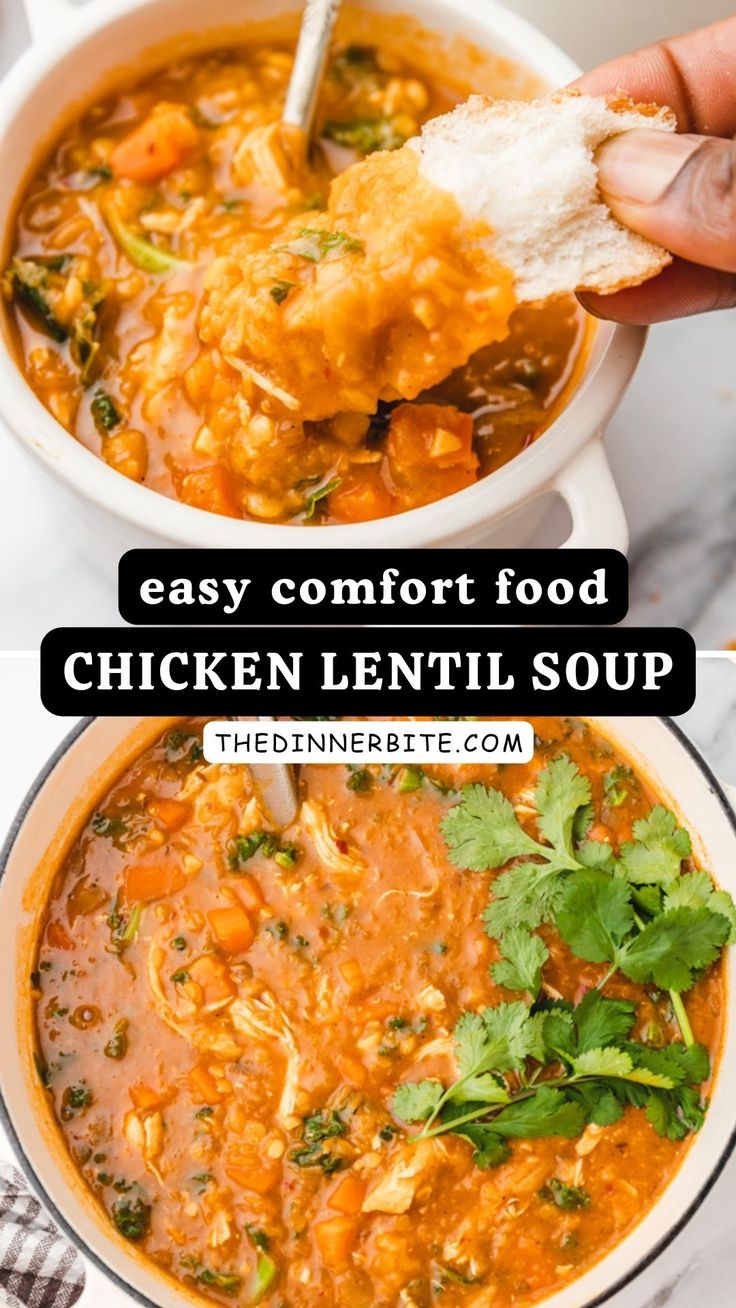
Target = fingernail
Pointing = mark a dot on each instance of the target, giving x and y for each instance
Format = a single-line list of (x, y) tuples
[(639, 166)]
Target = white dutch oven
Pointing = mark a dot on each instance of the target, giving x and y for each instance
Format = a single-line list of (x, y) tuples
[(75, 51), (74, 781)]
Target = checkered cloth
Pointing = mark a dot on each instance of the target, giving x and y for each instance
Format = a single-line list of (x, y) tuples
[(39, 1268)]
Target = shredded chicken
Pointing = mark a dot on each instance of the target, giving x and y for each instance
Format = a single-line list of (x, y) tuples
[(396, 1190), (264, 1017), (318, 828)]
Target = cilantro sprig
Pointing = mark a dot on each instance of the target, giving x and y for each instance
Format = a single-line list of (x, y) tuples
[(638, 910), (551, 1071)]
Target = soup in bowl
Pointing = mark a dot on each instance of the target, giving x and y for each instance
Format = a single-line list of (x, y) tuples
[(125, 232), (454, 1031), (90, 55)]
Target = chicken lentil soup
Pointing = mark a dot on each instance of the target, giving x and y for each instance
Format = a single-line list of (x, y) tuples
[(448, 1036), (127, 293)]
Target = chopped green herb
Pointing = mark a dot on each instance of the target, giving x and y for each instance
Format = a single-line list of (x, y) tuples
[(183, 746), (42, 1070), (203, 1113), (117, 1045), (180, 977), (314, 501), (105, 825), (564, 1196), (257, 1237), (365, 134), (142, 253), (618, 784), (105, 413), (318, 245), (410, 778), (280, 290), (75, 1099), (123, 931), (360, 780), (279, 930), (179, 943), (132, 1218)]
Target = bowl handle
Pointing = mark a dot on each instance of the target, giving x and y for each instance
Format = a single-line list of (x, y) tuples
[(47, 17), (588, 488)]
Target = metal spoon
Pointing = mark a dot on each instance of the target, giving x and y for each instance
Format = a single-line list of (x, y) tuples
[(318, 22), (276, 788)]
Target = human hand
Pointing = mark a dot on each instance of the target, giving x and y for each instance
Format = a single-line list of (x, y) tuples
[(678, 190)]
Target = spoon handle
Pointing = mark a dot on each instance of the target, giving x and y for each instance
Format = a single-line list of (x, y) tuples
[(318, 22)]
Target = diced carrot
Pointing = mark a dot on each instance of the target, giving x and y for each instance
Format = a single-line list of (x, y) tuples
[(146, 1099), (233, 928), (261, 1179), (142, 883), (214, 978), (58, 937), (430, 436), (203, 1086), (171, 813), (348, 1195), (158, 145), (352, 1070), (210, 488), (336, 1239), (362, 499), (251, 894), (352, 975)]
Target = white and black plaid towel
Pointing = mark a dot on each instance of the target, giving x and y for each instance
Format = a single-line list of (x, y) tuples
[(39, 1268)]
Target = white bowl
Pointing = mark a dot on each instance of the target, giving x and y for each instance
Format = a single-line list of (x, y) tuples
[(75, 780), (75, 51)]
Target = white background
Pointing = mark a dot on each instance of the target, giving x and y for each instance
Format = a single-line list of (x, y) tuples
[(672, 442)]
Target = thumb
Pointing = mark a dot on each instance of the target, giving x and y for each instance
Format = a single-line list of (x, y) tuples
[(680, 191)]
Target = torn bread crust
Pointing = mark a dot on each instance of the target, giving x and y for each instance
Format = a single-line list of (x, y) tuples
[(527, 170)]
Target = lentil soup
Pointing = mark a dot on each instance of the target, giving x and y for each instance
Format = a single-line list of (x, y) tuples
[(130, 224), (436, 1039)]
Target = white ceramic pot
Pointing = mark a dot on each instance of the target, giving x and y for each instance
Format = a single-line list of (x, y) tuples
[(75, 50), (73, 783)]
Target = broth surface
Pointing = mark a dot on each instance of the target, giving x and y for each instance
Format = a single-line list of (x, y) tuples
[(124, 222), (223, 1019)]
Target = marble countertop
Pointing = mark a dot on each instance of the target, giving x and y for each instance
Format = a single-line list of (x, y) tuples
[(700, 1266), (672, 443)]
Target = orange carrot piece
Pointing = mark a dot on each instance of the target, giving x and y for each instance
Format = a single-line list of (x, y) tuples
[(352, 975), (158, 145), (203, 1086), (210, 488), (362, 500), (261, 1179), (251, 894), (348, 1195), (232, 927), (336, 1239), (170, 813), (142, 883), (352, 1070), (213, 976), (58, 937), (146, 1099)]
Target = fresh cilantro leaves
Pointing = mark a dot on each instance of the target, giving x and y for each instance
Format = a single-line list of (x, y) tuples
[(637, 910), (531, 1073), (523, 955)]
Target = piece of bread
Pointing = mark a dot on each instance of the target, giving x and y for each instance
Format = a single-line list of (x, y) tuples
[(527, 169)]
